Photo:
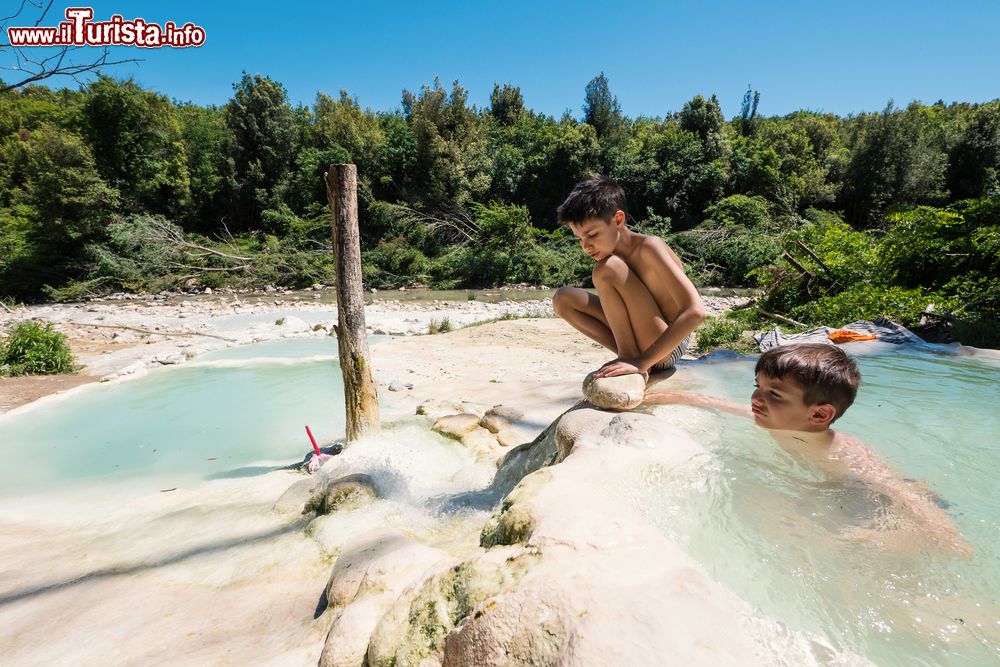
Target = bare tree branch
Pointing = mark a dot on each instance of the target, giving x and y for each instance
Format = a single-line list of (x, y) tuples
[(457, 221), (60, 63)]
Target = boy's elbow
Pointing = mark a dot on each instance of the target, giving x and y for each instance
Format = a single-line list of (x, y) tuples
[(698, 313)]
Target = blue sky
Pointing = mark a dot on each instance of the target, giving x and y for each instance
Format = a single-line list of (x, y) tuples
[(841, 57)]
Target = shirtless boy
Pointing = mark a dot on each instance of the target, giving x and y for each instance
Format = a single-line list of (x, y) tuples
[(645, 307), (801, 390)]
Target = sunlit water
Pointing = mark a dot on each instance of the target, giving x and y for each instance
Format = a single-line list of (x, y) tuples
[(760, 522), (778, 532), (232, 412)]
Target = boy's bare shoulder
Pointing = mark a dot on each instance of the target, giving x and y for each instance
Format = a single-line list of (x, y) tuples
[(655, 250)]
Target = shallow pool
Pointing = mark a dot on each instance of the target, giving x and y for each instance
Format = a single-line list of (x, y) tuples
[(779, 533), (233, 412)]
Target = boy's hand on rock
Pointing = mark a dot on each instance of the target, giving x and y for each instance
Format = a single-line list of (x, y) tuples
[(618, 366)]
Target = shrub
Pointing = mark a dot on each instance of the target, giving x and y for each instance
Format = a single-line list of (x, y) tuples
[(866, 302), (32, 348), (436, 327), (740, 210), (728, 331)]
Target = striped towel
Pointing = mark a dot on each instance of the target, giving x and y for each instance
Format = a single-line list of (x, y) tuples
[(883, 329)]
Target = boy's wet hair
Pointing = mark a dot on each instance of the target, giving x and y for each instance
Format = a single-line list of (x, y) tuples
[(596, 197), (825, 372)]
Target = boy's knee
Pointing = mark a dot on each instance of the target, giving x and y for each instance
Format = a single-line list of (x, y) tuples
[(561, 301), (610, 271)]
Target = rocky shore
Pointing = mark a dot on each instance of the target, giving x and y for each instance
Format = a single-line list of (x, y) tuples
[(128, 335)]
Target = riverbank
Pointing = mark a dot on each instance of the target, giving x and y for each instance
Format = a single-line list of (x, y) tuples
[(112, 339)]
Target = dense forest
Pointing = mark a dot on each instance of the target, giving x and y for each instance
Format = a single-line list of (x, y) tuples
[(114, 187)]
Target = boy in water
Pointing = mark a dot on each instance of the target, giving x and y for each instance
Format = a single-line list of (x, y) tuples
[(801, 390), (645, 307)]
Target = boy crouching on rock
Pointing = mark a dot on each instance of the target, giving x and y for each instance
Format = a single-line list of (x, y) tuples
[(645, 308)]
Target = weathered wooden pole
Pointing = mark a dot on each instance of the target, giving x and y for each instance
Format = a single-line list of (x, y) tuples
[(359, 387)]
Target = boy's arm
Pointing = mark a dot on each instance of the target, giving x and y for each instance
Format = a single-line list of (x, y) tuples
[(698, 400), (937, 523), (690, 314)]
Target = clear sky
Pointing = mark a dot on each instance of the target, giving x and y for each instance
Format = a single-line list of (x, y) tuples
[(843, 57)]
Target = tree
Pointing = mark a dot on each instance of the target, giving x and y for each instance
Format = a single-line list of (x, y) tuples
[(343, 123), (704, 118), (974, 161), (205, 138), (893, 162), (55, 202), (506, 104), (747, 121), (260, 149), (600, 108), (452, 167), (138, 145)]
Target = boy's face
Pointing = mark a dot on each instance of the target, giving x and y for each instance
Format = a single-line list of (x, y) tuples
[(780, 404), (597, 236)]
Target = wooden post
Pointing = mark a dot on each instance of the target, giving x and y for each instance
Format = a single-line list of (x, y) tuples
[(359, 388)]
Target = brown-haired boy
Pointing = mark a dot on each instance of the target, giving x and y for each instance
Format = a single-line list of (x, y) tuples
[(801, 390), (645, 307)]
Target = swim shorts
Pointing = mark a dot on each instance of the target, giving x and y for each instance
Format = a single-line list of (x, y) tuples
[(674, 357)]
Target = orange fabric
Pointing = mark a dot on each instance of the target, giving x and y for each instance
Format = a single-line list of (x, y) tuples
[(848, 336)]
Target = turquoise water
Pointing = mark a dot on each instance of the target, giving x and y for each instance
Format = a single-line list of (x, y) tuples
[(779, 532), (765, 525), (231, 412)]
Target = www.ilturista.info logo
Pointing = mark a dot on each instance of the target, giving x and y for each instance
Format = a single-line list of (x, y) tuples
[(79, 30)]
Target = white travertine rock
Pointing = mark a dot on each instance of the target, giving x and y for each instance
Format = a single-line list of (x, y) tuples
[(573, 576), (620, 392), (436, 409), (500, 417), (480, 442), (296, 496), (510, 437), (575, 423), (527, 626), (634, 429), (366, 580), (348, 492), (455, 426), (412, 632)]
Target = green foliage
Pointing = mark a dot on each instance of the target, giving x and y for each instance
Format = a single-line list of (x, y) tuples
[(452, 167), (138, 145), (704, 118), (974, 160), (260, 150), (52, 204), (116, 187), (600, 108), (439, 326), (33, 348), (945, 257), (205, 136), (865, 302), (506, 104), (740, 210), (895, 160), (732, 330)]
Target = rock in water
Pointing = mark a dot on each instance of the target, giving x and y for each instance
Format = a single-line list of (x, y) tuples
[(575, 423), (500, 417), (621, 392), (348, 492), (455, 426)]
